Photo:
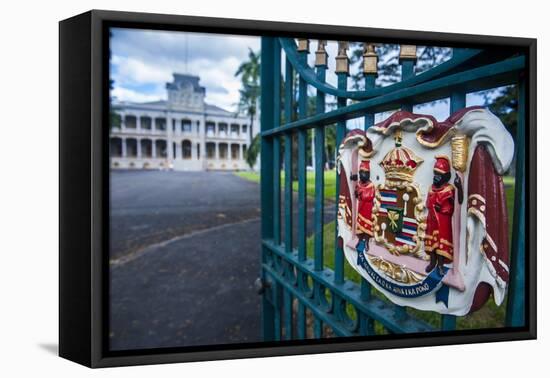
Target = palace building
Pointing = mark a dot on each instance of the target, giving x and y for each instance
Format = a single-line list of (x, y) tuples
[(183, 133)]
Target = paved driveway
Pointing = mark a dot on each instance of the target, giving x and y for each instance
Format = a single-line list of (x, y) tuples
[(185, 251), (153, 206), (184, 256)]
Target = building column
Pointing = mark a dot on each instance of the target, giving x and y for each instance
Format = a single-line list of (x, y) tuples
[(217, 151), (122, 122), (202, 137), (123, 147), (169, 141), (241, 155), (138, 123), (153, 148), (193, 150), (138, 148)]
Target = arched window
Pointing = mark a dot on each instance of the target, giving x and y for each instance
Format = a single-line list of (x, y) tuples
[(186, 149)]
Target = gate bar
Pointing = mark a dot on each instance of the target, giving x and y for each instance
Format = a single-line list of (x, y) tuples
[(515, 312), (319, 189), (267, 117), (302, 196), (477, 79), (287, 297)]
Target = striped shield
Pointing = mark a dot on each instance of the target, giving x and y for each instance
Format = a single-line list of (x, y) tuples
[(396, 221)]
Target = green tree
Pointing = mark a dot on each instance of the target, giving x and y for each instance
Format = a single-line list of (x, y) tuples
[(505, 107), (389, 69), (253, 151), (249, 71), (115, 118)]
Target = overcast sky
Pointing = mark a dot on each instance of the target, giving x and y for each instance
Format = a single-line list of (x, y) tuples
[(142, 62)]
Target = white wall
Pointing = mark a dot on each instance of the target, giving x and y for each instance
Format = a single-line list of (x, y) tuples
[(29, 205)]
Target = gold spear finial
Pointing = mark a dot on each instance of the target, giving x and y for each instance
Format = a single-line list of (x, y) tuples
[(370, 59), (321, 56), (303, 45), (407, 52), (342, 60)]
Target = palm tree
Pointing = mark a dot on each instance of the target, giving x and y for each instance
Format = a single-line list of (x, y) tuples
[(250, 91)]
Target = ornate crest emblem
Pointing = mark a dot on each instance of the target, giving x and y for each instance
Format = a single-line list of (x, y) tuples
[(415, 195), (399, 219)]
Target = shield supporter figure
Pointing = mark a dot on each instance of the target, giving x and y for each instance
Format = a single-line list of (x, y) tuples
[(364, 193), (438, 241), (402, 218)]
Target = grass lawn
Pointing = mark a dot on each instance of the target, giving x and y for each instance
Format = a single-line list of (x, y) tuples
[(330, 182), (250, 176)]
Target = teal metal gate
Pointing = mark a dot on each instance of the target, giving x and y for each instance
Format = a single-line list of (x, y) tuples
[(302, 297)]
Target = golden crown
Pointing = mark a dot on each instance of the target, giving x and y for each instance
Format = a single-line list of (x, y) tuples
[(401, 162)]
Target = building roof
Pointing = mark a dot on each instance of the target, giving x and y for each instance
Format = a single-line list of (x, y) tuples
[(163, 105), (182, 81)]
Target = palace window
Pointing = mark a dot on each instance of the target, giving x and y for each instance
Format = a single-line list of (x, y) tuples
[(145, 122), (186, 126), (223, 128), (186, 149), (131, 147), (116, 147), (160, 146), (245, 127), (160, 124), (210, 150), (244, 149), (146, 148), (234, 130), (130, 122), (223, 150), (210, 129), (234, 151)]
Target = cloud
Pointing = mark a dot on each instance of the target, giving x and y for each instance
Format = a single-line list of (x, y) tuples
[(124, 94), (144, 60)]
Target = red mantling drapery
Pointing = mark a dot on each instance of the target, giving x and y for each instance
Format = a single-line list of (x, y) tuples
[(344, 200), (487, 196)]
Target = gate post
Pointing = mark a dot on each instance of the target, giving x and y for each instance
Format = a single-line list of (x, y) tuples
[(266, 174), (515, 311)]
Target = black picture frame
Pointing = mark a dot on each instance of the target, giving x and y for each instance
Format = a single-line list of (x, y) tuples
[(84, 191)]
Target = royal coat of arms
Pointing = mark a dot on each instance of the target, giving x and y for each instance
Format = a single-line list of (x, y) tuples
[(422, 210)]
